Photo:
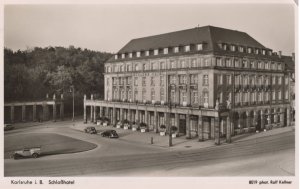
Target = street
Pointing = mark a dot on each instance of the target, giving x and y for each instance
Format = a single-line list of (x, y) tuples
[(265, 156)]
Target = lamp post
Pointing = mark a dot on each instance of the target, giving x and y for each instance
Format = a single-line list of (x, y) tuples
[(72, 91), (169, 113)]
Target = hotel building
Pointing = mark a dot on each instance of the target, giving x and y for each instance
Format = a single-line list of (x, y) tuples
[(209, 82)]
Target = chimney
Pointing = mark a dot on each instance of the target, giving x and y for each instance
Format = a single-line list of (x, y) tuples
[(293, 57), (279, 54)]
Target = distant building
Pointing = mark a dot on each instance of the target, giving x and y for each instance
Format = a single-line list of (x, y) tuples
[(210, 82)]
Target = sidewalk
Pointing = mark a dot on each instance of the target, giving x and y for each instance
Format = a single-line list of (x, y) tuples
[(179, 143)]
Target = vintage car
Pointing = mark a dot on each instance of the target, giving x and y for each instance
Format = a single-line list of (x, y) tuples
[(8, 127), (91, 130), (27, 152), (110, 134)]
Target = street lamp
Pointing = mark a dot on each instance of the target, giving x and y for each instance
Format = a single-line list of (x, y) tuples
[(72, 91), (169, 114)]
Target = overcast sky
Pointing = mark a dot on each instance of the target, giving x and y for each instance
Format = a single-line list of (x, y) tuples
[(110, 27)]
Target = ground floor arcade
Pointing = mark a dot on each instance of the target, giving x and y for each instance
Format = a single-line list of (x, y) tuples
[(33, 111)]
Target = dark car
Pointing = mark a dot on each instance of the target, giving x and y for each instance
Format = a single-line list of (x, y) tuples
[(90, 130), (110, 134), (8, 127)]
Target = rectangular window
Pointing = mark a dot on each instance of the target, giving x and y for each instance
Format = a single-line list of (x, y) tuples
[(279, 80), (279, 95), (156, 52), (220, 79), (144, 81), (228, 79), (166, 50), (176, 49), (219, 62), (195, 97), (194, 63), (123, 55), (273, 95), (162, 81), (147, 53), (173, 64), (116, 56), (286, 95), (273, 80), (173, 79), (187, 48), (286, 80), (162, 65), (162, 94), (199, 47), (194, 79), (205, 79), (152, 81), (205, 97)]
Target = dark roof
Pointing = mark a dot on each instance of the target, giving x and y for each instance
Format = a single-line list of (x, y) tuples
[(289, 62), (208, 34)]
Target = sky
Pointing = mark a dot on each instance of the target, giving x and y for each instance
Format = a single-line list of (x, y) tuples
[(109, 27)]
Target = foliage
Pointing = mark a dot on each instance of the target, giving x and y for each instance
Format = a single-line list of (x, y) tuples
[(33, 73), (173, 129), (163, 127)]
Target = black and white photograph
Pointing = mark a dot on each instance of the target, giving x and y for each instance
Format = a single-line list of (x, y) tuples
[(163, 91)]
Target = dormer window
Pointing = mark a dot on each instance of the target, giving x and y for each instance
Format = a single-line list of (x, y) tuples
[(116, 56), (263, 52), (199, 47), (249, 50), (176, 49), (270, 53), (232, 47), (241, 49), (256, 51), (147, 53), (123, 55), (166, 50), (130, 55), (138, 54), (156, 52), (187, 48), (224, 47)]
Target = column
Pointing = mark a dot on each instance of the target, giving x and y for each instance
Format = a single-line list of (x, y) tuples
[(34, 112), (12, 114), (200, 129), (129, 115), (248, 121), (281, 117), (262, 124), (177, 91), (288, 117), (62, 111), (146, 118), (95, 114), (84, 114), (188, 126), (269, 117), (121, 114), (211, 135), (92, 113), (176, 121), (228, 130), (101, 111), (54, 112), (156, 124), (106, 111), (23, 113), (114, 116), (217, 130)]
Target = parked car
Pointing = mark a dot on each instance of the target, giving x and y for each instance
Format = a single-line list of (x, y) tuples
[(110, 134), (8, 127), (91, 130), (27, 152)]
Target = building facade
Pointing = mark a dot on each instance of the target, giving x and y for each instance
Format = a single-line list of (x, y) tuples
[(209, 82)]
